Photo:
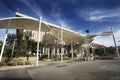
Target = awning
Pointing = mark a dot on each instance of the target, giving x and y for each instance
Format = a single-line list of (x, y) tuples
[(97, 45), (106, 33), (50, 39), (68, 35), (90, 36), (22, 23)]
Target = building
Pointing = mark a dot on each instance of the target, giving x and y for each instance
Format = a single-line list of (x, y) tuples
[(54, 37)]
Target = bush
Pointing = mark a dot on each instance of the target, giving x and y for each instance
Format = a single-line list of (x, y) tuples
[(15, 62), (12, 63), (65, 57), (28, 63), (20, 63), (1, 64), (31, 55), (56, 57)]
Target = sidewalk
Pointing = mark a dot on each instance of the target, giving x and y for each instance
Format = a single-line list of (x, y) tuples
[(41, 63), (14, 67)]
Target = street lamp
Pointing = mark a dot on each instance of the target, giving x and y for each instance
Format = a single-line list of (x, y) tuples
[(87, 42), (13, 48), (115, 43)]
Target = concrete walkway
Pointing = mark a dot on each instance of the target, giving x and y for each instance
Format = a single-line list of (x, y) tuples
[(41, 63), (89, 70)]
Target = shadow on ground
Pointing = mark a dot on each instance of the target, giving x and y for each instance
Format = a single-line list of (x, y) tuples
[(5, 78)]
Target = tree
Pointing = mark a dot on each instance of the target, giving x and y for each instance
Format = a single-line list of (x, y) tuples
[(10, 39), (19, 34), (24, 42), (19, 42), (110, 50), (99, 51), (9, 45), (87, 31), (1, 45), (27, 39)]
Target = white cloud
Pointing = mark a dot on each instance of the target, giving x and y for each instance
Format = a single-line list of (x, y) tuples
[(108, 40), (56, 13), (81, 32), (62, 22), (100, 15), (33, 6), (95, 18)]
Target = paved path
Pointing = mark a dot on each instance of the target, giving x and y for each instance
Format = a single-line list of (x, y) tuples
[(90, 70)]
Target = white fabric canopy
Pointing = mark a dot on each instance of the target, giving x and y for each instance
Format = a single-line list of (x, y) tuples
[(97, 45), (68, 35), (22, 23), (106, 33)]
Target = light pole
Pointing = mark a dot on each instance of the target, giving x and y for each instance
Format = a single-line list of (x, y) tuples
[(62, 50), (87, 43), (104, 50), (115, 43), (72, 56), (38, 40)]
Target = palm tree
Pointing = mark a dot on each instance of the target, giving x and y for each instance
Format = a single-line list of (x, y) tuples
[(87, 42), (87, 31)]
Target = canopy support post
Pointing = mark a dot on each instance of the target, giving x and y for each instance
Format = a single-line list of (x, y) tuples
[(38, 40), (4, 42), (62, 45), (13, 48), (117, 52), (48, 51), (72, 50)]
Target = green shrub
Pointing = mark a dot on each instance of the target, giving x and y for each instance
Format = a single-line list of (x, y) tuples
[(12, 63), (31, 55), (20, 63), (65, 57), (56, 57), (28, 63), (2, 64)]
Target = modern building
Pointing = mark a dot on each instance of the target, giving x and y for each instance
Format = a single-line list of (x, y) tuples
[(54, 38)]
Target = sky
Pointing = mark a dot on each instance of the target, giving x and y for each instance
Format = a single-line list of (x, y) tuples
[(76, 15)]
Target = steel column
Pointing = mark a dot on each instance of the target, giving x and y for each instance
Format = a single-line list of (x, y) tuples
[(4, 42), (39, 30)]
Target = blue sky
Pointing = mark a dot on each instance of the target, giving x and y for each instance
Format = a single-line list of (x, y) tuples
[(77, 15)]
